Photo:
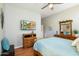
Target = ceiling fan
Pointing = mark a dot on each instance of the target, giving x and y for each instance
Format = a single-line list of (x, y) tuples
[(50, 5)]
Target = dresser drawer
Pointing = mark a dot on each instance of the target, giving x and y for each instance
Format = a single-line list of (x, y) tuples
[(28, 44), (29, 40)]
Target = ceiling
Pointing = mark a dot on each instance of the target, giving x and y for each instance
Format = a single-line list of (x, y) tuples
[(36, 7), (56, 8)]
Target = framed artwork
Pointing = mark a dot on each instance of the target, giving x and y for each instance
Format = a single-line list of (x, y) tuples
[(28, 25)]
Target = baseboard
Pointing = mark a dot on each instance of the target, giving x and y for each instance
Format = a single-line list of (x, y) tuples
[(18, 47)]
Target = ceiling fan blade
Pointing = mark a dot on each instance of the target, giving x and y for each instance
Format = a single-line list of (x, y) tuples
[(49, 4), (45, 6), (57, 3)]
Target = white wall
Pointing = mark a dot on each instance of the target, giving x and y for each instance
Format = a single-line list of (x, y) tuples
[(71, 14), (13, 15)]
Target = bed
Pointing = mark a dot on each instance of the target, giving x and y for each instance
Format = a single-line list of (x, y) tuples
[(55, 47)]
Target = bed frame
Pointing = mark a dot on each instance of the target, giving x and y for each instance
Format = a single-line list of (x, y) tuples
[(36, 53)]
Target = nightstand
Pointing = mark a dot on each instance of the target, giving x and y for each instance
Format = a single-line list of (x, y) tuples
[(28, 40)]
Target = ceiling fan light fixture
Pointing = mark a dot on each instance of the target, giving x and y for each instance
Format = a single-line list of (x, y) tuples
[(50, 6)]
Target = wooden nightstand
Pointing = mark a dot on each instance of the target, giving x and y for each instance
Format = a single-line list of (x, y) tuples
[(28, 40)]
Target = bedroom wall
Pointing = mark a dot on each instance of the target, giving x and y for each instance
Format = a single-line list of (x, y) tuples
[(71, 13), (13, 15), (1, 32)]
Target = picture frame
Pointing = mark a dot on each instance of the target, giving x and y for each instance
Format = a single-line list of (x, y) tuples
[(66, 27), (28, 25)]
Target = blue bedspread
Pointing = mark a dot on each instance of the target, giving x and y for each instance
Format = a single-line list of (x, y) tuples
[(55, 47)]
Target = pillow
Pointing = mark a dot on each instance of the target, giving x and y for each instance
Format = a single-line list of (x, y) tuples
[(77, 47), (76, 43), (65, 33), (5, 44)]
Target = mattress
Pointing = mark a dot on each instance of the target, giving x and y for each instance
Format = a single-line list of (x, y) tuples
[(55, 47)]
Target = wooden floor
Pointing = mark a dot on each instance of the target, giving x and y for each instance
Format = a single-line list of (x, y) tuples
[(24, 52)]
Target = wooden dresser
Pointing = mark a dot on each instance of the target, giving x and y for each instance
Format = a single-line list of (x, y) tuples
[(70, 37), (28, 40)]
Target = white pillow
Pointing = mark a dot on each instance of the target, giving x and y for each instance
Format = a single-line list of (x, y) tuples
[(76, 43), (77, 47)]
